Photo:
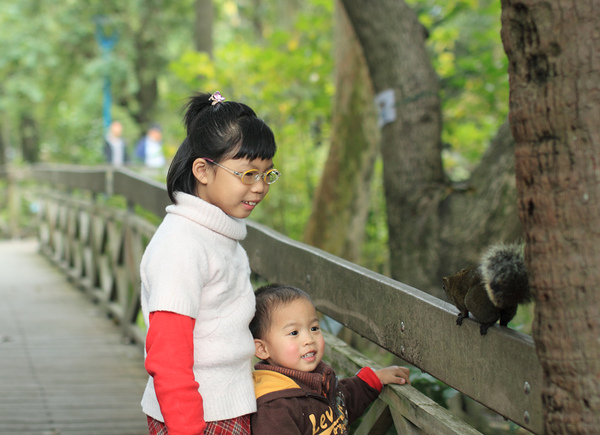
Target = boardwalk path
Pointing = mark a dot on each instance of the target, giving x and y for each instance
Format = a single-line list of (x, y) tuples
[(63, 366)]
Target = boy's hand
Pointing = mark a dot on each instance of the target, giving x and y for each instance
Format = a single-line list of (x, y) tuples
[(394, 375)]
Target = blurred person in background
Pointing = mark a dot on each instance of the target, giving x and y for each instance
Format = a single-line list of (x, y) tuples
[(149, 149), (115, 151)]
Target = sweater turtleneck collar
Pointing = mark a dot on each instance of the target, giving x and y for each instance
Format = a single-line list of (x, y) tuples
[(207, 215)]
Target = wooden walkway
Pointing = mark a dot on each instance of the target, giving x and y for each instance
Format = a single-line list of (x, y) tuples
[(64, 368)]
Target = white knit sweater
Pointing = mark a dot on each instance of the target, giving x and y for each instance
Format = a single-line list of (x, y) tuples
[(194, 265)]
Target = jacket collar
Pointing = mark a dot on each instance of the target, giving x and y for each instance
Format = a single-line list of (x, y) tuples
[(318, 381)]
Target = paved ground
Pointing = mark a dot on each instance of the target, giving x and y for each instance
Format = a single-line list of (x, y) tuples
[(64, 368)]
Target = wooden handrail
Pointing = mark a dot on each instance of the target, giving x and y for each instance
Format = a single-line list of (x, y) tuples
[(499, 370), (101, 249)]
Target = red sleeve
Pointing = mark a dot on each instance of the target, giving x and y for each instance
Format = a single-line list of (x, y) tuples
[(170, 362), (368, 375)]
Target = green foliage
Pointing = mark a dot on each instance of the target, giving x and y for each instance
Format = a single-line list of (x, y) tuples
[(37, 79), (283, 69), (467, 52), (523, 319), (275, 56), (432, 388), (285, 74), (52, 67)]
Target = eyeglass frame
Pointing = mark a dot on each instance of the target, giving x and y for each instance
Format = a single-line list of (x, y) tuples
[(262, 176)]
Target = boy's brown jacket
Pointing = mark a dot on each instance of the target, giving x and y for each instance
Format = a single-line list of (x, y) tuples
[(311, 403)]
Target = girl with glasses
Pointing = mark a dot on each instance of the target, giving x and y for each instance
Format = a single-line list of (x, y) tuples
[(197, 299)]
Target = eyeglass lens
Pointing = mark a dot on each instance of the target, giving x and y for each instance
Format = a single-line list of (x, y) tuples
[(252, 176)]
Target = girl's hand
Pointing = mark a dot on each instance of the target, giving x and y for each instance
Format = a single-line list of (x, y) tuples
[(394, 375)]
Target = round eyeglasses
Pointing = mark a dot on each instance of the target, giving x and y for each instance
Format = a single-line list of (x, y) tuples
[(251, 176)]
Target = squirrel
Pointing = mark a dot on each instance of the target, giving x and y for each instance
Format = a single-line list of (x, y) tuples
[(491, 290)]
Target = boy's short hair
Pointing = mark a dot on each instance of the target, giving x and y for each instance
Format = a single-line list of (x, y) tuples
[(268, 298)]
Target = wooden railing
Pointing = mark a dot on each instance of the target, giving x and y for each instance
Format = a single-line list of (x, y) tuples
[(100, 248)]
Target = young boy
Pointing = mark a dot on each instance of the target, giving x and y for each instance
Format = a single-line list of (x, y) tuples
[(297, 393)]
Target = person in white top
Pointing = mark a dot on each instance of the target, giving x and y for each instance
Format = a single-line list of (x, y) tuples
[(149, 149), (155, 157), (197, 298)]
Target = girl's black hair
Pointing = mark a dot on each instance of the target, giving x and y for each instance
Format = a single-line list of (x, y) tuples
[(226, 130), (268, 298)]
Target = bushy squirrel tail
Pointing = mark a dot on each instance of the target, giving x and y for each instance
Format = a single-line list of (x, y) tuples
[(504, 275)]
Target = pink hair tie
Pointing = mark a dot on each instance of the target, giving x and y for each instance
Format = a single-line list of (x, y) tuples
[(216, 98)]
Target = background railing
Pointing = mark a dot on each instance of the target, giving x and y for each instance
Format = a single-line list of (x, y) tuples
[(100, 246)]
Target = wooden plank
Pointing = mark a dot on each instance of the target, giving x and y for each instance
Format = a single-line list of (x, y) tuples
[(145, 192), (93, 179), (412, 324), (422, 412), (136, 188), (377, 420), (64, 366)]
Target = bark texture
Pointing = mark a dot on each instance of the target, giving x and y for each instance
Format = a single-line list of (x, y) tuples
[(341, 202), (554, 68)]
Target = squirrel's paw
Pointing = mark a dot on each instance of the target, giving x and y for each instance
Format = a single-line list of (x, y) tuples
[(460, 318), (484, 327)]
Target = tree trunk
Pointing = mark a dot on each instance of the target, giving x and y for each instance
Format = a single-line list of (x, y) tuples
[(147, 63), (204, 26), (341, 203), (435, 228), (394, 45), (2, 149), (411, 145), (554, 68), (30, 143), (257, 19)]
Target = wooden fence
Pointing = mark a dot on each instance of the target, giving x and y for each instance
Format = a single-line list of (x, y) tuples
[(100, 248)]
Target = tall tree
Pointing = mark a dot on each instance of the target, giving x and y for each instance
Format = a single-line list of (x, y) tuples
[(2, 149), (554, 68), (341, 202), (203, 29), (148, 61), (435, 227), (29, 138)]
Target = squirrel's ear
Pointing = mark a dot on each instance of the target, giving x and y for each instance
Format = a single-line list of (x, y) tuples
[(260, 349)]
